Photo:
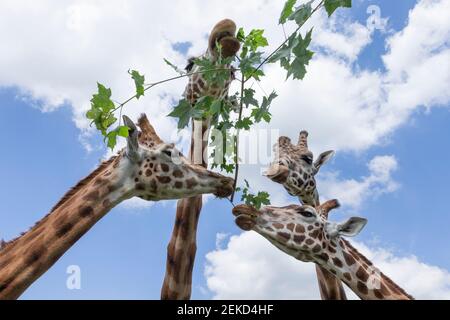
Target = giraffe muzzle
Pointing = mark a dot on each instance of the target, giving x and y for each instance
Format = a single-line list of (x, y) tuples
[(223, 33), (277, 173), (245, 216), (225, 188)]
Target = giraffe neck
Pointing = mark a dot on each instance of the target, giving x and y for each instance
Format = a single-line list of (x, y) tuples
[(182, 247), (25, 259), (330, 287), (357, 272), (198, 87)]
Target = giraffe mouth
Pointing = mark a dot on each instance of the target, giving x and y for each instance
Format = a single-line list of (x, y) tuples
[(228, 43), (277, 173), (224, 34), (225, 189), (245, 216)]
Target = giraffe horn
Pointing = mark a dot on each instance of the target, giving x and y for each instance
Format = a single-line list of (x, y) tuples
[(303, 139), (329, 205), (147, 129)]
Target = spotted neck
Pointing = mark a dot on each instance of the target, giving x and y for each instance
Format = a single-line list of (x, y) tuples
[(25, 259), (182, 247), (357, 272)]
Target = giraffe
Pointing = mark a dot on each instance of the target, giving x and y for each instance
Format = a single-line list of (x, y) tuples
[(182, 247), (295, 170), (306, 234), (147, 168)]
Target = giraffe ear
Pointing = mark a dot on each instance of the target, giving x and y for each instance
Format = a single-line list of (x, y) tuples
[(132, 140), (351, 227), (323, 158)]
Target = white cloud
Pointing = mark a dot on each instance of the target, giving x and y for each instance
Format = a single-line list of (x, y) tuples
[(342, 37), (250, 267), (350, 109), (351, 192), (55, 51), (136, 203), (59, 49), (220, 238)]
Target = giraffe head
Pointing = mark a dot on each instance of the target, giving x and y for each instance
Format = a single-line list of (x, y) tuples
[(222, 34), (295, 169), (159, 171), (303, 232)]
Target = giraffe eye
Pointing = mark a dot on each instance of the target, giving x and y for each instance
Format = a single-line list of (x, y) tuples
[(307, 159), (305, 213), (167, 153)]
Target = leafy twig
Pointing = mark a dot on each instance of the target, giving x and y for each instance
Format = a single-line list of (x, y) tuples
[(285, 41)]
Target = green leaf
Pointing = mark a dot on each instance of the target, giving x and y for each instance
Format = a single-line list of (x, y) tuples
[(240, 35), (138, 81), (287, 11), (183, 111), (302, 57), (229, 168), (262, 113), (244, 123), (332, 5), (248, 98), (215, 73), (102, 107), (302, 13), (123, 131), (255, 40), (102, 99), (203, 105), (251, 42), (249, 63), (108, 121), (174, 67), (261, 198), (215, 106), (112, 139), (286, 50), (93, 114)]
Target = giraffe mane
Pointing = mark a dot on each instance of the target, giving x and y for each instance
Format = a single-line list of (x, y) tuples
[(369, 263), (83, 182)]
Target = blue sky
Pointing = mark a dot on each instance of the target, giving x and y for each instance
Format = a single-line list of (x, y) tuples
[(123, 256)]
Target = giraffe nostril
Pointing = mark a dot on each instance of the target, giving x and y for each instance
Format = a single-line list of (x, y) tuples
[(277, 173), (225, 188)]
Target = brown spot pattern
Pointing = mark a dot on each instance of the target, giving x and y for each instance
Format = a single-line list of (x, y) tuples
[(163, 179), (178, 173), (362, 287), (337, 262), (290, 226), (362, 274), (278, 225), (86, 211), (348, 259)]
